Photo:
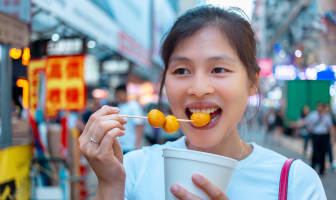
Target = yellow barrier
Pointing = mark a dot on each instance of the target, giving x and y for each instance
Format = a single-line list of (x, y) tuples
[(14, 172)]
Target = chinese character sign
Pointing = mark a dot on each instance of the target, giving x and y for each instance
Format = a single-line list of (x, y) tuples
[(65, 87), (36, 70)]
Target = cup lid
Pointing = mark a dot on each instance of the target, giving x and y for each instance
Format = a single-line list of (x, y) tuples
[(199, 156)]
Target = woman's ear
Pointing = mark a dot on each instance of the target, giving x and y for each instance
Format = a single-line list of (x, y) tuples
[(254, 89)]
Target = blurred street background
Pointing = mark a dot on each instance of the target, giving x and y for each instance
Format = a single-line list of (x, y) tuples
[(61, 60)]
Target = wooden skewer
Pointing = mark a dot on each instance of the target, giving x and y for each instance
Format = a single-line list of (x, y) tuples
[(133, 116), (143, 117), (184, 120)]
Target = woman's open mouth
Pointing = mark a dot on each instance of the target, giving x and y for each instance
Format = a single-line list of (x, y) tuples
[(214, 111)]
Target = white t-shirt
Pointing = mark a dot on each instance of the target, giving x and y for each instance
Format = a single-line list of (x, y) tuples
[(127, 141), (320, 125), (255, 177)]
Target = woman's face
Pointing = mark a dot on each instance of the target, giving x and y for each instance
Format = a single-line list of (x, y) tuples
[(205, 74)]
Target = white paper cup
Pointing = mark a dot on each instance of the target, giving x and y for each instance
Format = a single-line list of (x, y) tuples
[(181, 164)]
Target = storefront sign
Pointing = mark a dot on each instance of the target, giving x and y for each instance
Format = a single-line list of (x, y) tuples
[(36, 71), (65, 88), (14, 172), (285, 72), (266, 67), (56, 83)]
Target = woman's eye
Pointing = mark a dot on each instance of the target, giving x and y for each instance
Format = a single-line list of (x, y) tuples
[(219, 70), (181, 71)]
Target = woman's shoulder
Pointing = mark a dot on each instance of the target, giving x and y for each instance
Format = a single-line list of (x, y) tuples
[(304, 182)]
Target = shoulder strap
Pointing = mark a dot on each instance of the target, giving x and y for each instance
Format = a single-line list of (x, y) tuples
[(284, 179)]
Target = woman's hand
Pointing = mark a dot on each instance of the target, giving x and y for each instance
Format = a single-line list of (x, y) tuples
[(210, 189), (99, 145)]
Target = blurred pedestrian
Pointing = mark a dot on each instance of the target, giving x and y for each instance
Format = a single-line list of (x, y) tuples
[(330, 146), (320, 126), (269, 120), (278, 126), (303, 128), (134, 128)]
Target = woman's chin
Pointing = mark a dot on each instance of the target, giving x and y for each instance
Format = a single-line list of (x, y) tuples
[(202, 143)]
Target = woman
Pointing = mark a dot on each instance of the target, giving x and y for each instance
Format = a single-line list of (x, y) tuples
[(303, 128), (210, 62)]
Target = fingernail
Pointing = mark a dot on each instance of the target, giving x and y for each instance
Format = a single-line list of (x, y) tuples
[(197, 178), (175, 188)]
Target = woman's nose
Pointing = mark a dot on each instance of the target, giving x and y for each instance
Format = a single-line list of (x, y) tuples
[(200, 86)]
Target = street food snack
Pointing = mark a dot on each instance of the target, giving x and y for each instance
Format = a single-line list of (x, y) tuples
[(156, 118), (171, 125), (200, 119)]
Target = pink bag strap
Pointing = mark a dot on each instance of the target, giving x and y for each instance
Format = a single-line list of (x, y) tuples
[(284, 179)]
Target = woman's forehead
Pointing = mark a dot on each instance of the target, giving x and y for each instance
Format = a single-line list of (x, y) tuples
[(206, 42)]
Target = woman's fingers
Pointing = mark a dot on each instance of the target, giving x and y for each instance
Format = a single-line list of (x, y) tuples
[(105, 110), (101, 127), (182, 194), (106, 145), (212, 190), (114, 117)]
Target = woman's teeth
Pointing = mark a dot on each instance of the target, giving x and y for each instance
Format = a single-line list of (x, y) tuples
[(208, 110)]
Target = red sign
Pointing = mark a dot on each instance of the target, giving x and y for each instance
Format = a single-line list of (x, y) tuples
[(65, 87), (266, 67)]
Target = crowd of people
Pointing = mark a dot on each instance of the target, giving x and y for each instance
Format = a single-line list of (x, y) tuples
[(315, 128)]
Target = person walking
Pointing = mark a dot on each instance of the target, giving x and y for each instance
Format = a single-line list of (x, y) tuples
[(320, 126), (303, 128), (330, 146), (134, 128)]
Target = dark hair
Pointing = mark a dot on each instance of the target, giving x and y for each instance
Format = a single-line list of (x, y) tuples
[(121, 87), (237, 29)]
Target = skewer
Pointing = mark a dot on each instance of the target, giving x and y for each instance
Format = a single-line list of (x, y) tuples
[(133, 116), (143, 117)]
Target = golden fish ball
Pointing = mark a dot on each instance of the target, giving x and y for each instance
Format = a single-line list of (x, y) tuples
[(200, 119), (171, 125), (156, 118)]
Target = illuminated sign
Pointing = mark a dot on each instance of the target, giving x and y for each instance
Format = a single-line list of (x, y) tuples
[(285, 72), (266, 67), (65, 89), (25, 56), (24, 85), (15, 53), (64, 85), (36, 68)]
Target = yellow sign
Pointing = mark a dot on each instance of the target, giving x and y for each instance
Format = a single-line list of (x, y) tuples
[(15, 53), (65, 83), (35, 69), (14, 172), (22, 83)]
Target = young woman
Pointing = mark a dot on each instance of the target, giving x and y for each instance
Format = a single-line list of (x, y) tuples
[(210, 63)]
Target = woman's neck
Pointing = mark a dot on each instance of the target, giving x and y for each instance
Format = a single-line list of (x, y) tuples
[(231, 146)]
